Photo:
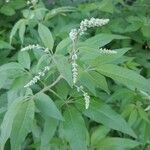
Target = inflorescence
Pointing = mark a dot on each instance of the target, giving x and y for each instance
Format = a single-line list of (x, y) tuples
[(38, 77), (85, 94), (74, 34), (107, 51), (32, 2), (41, 73), (30, 47)]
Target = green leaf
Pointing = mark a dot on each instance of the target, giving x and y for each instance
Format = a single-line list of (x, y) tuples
[(42, 62), (46, 36), (5, 45), (47, 107), (62, 46), (93, 80), (64, 68), (74, 129), (117, 144), (146, 30), (59, 10), (22, 30), (24, 59), (125, 76), (94, 56), (11, 70), (133, 117), (106, 6), (15, 28), (7, 123), (98, 134), (100, 40), (50, 126), (11, 66), (143, 115), (102, 113), (22, 124), (104, 58), (7, 10), (66, 89)]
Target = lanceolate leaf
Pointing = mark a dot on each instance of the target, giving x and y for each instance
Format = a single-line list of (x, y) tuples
[(22, 30), (50, 126), (22, 124), (100, 40), (7, 123), (93, 80), (99, 133), (93, 56), (102, 113), (10, 71), (47, 107), (74, 129), (10, 66), (106, 58), (59, 10), (46, 36), (62, 47), (15, 28), (125, 76), (64, 68), (117, 144), (5, 45), (24, 59)]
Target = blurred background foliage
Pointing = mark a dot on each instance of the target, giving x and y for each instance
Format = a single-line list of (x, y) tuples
[(130, 18)]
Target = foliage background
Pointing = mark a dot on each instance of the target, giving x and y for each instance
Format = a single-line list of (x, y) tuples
[(116, 119)]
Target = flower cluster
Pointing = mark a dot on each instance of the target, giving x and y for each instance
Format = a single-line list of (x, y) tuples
[(7, 1), (85, 24), (93, 22), (73, 34), (32, 2), (86, 96), (107, 51), (87, 100), (147, 108), (74, 68), (38, 77), (29, 47)]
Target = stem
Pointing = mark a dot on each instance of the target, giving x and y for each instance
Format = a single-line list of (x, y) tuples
[(50, 86)]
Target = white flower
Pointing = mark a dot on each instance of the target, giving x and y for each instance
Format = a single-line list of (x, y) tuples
[(147, 108), (74, 56), (91, 23), (28, 2), (85, 95), (107, 51), (74, 67), (79, 88), (38, 77), (33, 2), (84, 25), (87, 100), (73, 34), (46, 50), (74, 64), (29, 47)]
